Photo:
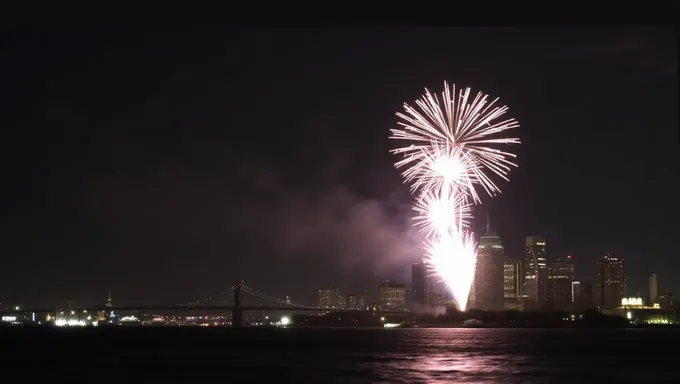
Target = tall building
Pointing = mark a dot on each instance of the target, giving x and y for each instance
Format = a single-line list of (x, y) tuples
[(103, 315), (575, 290), (535, 273), (610, 281), (512, 284), (669, 301), (340, 300), (653, 289), (418, 285), (471, 296), (583, 295), (431, 289), (324, 298), (488, 281), (330, 298), (560, 279), (392, 296), (352, 301)]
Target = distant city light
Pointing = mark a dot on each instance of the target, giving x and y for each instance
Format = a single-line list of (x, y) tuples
[(69, 323)]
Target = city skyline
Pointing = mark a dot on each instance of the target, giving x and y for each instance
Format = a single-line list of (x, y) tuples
[(369, 293), (166, 165)]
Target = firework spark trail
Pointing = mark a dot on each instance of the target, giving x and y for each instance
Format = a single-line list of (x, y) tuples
[(448, 157)]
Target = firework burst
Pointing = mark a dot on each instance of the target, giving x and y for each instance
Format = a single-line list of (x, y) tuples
[(450, 154)]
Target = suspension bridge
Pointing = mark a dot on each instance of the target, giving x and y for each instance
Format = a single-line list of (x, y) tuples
[(229, 300)]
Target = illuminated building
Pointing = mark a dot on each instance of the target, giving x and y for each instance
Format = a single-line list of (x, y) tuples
[(324, 298), (535, 287), (512, 284), (610, 281), (560, 278), (418, 283), (11, 319), (72, 318), (634, 310), (352, 301), (582, 295), (430, 289), (488, 281), (329, 298), (669, 301), (653, 288), (104, 315), (340, 300), (392, 296), (634, 302), (575, 290)]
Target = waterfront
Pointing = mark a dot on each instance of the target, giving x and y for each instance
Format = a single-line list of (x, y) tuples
[(351, 355)]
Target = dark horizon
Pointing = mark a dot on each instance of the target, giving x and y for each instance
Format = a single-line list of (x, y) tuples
[(167, 165)]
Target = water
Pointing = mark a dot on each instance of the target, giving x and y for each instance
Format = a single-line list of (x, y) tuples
[(225, 355)]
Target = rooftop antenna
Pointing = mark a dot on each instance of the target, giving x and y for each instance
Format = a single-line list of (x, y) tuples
[(488, 225)]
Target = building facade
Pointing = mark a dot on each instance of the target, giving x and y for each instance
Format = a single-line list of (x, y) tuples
[(610, 281), (560, 279), (418, 285), (582, 293), (669, 301), (512, 284), (535, 287), (488, 280), (392, 296), (352, 301), (653, 289), (329, 298)]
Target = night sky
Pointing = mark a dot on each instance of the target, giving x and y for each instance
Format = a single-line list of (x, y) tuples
[(169, 164)]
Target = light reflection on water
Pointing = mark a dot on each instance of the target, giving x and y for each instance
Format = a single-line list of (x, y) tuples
[(517, 356), (446, 355), (359, 355)]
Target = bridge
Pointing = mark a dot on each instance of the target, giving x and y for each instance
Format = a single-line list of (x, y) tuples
[(217, 302)]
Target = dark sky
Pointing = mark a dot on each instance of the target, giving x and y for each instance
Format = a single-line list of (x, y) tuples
[(169, 164)]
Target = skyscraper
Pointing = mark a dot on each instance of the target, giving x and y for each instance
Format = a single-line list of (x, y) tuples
[(418, 284), (575, 291), (339, 300), (583, 295), (560, 279), (330, 298), (431, 289), (488, 282), (653, 289), (352, 301), (324, 298), (512, 283), (392, 295), (535, 273), (669, 301), (610, 281)]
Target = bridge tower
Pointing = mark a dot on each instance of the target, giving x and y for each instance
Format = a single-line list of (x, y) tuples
[(237, 312)]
